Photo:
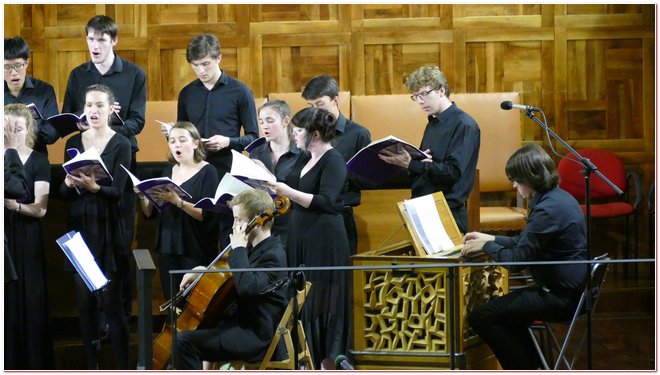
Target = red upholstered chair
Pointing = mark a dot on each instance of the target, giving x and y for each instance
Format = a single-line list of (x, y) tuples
[(605, 202)]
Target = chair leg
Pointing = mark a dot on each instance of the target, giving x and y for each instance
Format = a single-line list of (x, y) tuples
[(540, 351), (651, 234), (636, 235), (561, 350), (304, 356), (626, 247), (579, 348)]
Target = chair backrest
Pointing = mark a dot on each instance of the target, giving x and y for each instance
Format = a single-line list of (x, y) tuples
[(258, 102), (650, 199), (501, 135), (283, 331), (296, 101), (389, 114), (608, 163), (598, 271), (287, 317), (153, 144)]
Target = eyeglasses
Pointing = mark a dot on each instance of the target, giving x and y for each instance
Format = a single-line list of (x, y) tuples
[(17, 68), (421, 95)]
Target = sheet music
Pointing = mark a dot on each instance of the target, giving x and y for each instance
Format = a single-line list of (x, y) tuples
[(250, 172), (427, 224), (81, 257)]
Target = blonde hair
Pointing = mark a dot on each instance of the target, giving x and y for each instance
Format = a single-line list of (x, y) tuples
[(200, 153), (254, 202), (427, 75), (21, 110)]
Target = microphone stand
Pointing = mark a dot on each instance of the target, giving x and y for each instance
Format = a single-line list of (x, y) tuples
[(587, 169)]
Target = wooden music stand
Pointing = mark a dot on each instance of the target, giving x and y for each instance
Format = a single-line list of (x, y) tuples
[(448, 222)]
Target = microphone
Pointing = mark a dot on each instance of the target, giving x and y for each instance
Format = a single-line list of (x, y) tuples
[(342, 363), (507, 105)]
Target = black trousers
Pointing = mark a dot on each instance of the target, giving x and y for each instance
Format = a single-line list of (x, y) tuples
[(502, 323), (460, 217), (110, 299), (128, 204), (193, 347)]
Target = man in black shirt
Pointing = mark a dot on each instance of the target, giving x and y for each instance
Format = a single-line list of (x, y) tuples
[(248, 330), (129, 86), (350, 137), (451, 143), (555, 231), (20, 88), (218, 105), (127, 80)]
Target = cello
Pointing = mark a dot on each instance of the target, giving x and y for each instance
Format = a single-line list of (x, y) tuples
[(209, 298)]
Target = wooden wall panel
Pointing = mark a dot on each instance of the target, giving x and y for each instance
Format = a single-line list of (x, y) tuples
[(591, 67)]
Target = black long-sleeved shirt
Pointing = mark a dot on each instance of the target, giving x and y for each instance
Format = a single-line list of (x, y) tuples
[(250, 328), (351, 137), (42, 95), (129, 86), (555, 231), (220, 111), (453, 138)]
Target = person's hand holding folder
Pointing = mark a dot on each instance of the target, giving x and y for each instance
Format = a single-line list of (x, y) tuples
[(166, 194), (85, 181), (401, 158)]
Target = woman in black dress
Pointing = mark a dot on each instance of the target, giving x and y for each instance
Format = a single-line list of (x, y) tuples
[(96, 214), (317, 236), (28, 340), (279, 153), (187, 236)]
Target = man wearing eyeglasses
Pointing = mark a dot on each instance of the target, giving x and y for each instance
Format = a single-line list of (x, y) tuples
[(450, 142), (21, 88), (218, 105)]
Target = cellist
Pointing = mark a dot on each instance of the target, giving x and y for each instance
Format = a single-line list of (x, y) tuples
[(247, 332)]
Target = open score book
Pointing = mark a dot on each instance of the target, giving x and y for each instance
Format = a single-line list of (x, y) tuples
[(227, 189), (367, 164), (246, 170), (147, 187), (67, 123), (85, 163), (427, 225)]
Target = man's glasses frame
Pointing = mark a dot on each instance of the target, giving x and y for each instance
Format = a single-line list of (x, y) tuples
[(17, 67), (422, 95)]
